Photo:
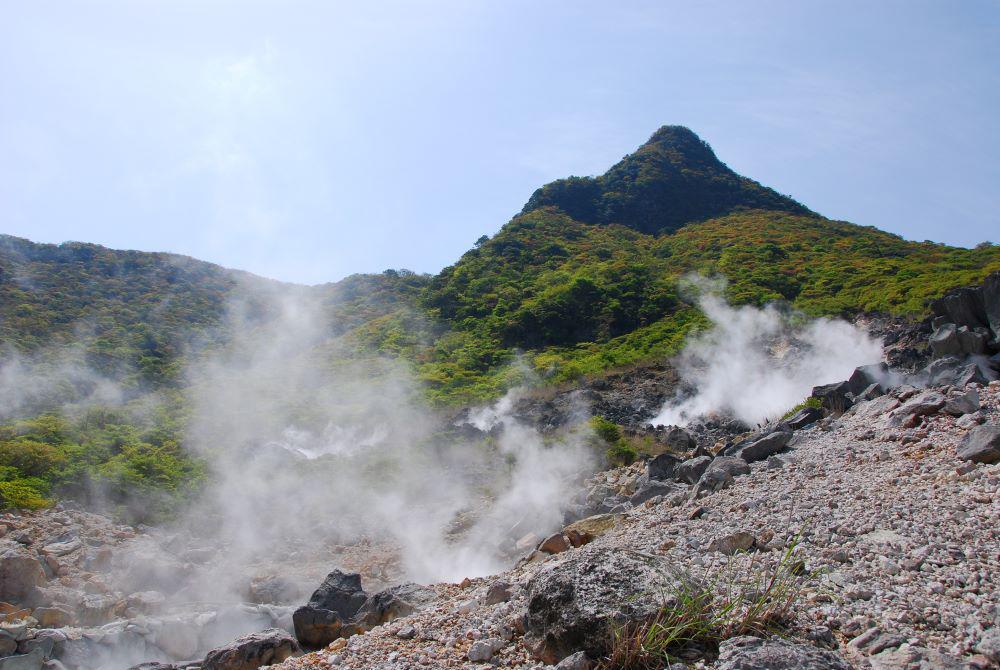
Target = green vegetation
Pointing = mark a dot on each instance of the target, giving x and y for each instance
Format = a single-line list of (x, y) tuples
[(737, 597), (105, 457), (587, 279), (814, 403), (619, 450)]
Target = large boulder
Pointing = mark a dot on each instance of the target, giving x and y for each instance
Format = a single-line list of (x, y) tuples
[(648, 489), (981, 445), (691, 470), (834, 397), (720, 473), (919, 405), (945, 341), (775, 653), (963, 402), (804, 417), (576, 604), (866, 375), (991, 302), (21, 573), (962, 307), (330, 610), (678, 439), (758, 449), (253, 651), (661, 468), (33, 660)]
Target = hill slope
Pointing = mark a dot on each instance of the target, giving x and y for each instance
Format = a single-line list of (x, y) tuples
[(671, 180), (583, 280)]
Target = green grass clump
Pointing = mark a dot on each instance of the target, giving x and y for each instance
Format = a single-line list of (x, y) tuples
[(735, 598), (814, 403)]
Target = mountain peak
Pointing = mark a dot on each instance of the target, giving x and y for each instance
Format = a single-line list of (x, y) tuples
[(673, 179)]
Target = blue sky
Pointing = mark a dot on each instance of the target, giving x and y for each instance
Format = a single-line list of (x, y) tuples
[(310, 140)]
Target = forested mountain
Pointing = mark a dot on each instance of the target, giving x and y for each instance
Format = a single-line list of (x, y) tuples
[(583, 279)]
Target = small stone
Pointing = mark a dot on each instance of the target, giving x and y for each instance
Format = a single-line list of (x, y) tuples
[(406, 633), (732, 543), (480, 651)]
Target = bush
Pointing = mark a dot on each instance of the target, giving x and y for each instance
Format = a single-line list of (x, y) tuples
[(606, 430), (621, 453), (31, 458), (22, 494)]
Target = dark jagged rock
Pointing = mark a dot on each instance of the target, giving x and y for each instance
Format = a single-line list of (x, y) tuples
[(834, 397), (775, 653), (981, 445), (574, 604), (329, 611), (962, 307), (720, 474), (678, 439), (758, 449), (691, 470), (253, 651), (804, 417), (866, 375), (662, 467), (652, 488)]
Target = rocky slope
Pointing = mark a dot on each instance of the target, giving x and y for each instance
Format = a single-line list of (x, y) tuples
[(897, 534)]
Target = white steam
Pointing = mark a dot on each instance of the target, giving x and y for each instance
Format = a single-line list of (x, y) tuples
[(756, 363), (312, 450)]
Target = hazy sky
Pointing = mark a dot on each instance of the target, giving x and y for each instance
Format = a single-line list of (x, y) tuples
[(310, 140)]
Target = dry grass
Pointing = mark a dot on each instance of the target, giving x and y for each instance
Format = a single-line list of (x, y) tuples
[(737, 597)]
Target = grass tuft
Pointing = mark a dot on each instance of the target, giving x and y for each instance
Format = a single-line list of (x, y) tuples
[(736, 597)]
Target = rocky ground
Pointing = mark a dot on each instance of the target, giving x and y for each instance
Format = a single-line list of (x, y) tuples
[(898, 536)]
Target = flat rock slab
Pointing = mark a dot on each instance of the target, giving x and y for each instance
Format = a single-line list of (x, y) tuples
[(754, 653)]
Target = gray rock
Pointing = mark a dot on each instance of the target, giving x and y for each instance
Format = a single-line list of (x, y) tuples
[(332, 606), (907, 657), (574, 604), (662, 467), (989, 642), (8, 645), (753, 653), (678, 439), (499, 592), (762, 447), (804, 417), (945, 341), (834, 397), (21, 573), (962, 403), (483, 650), (733, 543), (652, 489), (253, 651), (392, 603), (919, 405), (30, 661), (691, 470), (962, 307), (577, 661), (981, 445), (991, 301), (720, 474), (866, 375)]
